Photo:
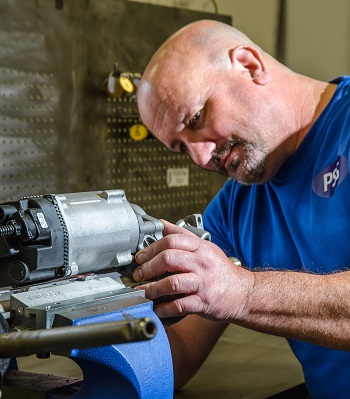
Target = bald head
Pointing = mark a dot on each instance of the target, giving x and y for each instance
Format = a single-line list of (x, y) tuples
[(201, 46), (210, 92), (206, 38)]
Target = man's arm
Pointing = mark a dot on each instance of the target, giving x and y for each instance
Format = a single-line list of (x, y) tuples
[(309, 307), (191, 341)]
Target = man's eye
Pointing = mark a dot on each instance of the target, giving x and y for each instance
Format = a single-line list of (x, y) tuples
[(192, 122)]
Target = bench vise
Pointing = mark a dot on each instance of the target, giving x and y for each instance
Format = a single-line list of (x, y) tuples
[(66, 264)]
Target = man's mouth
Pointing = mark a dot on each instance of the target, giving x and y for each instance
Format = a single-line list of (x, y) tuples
[(224, 159)]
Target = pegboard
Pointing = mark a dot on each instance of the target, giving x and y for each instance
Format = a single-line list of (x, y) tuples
[(142, 167), (27, 129), (59, 130)]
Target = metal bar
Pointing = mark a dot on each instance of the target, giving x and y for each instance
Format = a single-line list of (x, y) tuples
[(24, 343)]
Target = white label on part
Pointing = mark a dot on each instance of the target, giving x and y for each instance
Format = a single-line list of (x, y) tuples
[(42, 220), (177, 177)]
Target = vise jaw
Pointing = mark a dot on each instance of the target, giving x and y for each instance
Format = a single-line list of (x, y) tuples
[(108, 329)]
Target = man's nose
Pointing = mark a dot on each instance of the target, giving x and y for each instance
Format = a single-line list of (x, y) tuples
[(201, 152)]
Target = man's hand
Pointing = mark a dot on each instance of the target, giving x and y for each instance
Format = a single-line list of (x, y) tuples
[(207, 282)]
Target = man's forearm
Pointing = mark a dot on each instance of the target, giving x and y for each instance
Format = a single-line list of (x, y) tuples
[(308, 307), (191, 341)]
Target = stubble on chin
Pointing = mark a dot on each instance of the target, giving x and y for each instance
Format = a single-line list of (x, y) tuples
[(252, 174), (251, 170)]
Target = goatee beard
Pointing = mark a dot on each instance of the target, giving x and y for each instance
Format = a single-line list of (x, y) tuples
[(247, 172)]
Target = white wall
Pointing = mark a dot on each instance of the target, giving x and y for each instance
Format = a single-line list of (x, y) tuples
[(318, 37), (317, 32), (256, 18)]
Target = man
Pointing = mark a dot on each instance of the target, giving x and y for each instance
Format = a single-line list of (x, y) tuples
[(283, 139)]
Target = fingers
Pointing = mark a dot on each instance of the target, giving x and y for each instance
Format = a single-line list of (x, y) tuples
[(188, 266), (180, 307), (167, 261), (170, 228), (174, 284), (162, 256), (189, 302), (173, 241)]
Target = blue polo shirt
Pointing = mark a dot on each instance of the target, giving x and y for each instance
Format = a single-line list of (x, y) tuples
[(299, 220)]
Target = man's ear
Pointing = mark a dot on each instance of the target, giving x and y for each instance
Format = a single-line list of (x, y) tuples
[(249, 59)]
